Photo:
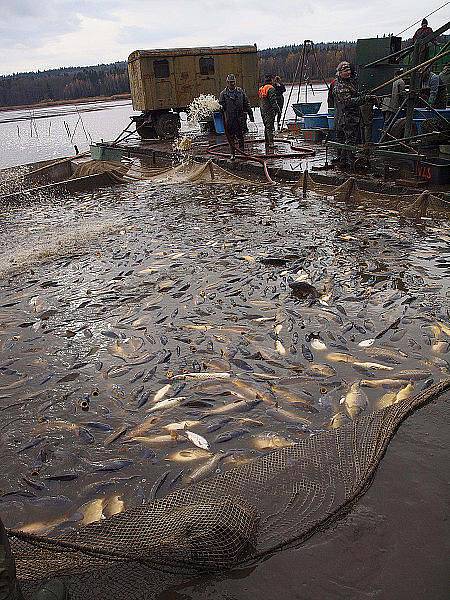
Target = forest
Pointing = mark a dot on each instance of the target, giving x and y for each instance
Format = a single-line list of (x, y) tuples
[(71, 83)]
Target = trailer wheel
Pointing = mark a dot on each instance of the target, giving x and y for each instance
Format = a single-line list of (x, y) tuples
[(167, 125)]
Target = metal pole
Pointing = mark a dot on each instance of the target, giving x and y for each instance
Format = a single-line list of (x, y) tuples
[(414, 89), (301, 74), (424, 64), (392, 121), (290, 93)]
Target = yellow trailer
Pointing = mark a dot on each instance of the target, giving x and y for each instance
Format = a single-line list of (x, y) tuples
[(164, 82)]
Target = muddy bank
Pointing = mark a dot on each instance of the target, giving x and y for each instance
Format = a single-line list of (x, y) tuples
[(48, 103)]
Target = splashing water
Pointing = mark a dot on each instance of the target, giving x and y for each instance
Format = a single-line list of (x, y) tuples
[(12, 180), (202, 108)]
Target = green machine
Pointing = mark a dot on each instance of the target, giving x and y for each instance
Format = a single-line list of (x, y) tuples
[(369, 50)]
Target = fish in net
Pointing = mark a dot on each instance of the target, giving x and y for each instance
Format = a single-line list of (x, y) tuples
[(234, 518), (415, 206)]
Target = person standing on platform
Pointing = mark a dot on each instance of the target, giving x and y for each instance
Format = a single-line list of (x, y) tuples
[(280, 89), (269, 109), (434, 90), (235, 106), (391, 104), (348, 104), (423, 32)]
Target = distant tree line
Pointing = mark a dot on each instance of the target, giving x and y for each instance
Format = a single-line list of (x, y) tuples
[(67, 83), (320, 60), (71, 83)]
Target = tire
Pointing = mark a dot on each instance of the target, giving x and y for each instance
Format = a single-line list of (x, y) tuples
[(167, 126)]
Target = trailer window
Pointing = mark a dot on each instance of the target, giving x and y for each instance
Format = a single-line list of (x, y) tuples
[(206, 65), (161, 68)]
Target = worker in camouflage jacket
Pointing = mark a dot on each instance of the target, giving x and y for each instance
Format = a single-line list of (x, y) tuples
[(235, 108), (348, 102), (269, 109)]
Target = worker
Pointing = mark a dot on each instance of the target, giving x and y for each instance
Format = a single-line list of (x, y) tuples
[(423, 32), (391, 104), (348, 104), (280, 89), (433, 89), (269, 109), (9, 587), (235, 106)]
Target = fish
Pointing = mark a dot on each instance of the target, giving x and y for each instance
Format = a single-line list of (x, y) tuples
[(385, 400), (318, 344), (113, 506), (355, 400), (280, 348), (166, 404), (405, 392), (366, 343), (387, 354), (372, 365), (208, 468), (196, 439), (338, 420), (230, 435), (270, 441), (320, 370), (299, 401), (385, 383), (189, 455), (340, 357), (57, 425), (162, 392), (202, 376), (92, 511), (412, 375), (153, 439), (286, 416), (234, 407), (109, 465), (180, 425), (440, 347)]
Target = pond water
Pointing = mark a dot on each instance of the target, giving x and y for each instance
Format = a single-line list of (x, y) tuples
[(47, 133)]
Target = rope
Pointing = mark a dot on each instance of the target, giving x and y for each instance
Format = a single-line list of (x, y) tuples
[(420, 20)]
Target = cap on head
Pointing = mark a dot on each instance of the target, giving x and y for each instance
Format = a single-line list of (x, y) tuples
[(343, 66), (424, 22), (231, 78)]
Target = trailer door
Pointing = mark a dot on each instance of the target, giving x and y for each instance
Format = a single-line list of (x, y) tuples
[(206, 75), (185, 79), (163, 72)]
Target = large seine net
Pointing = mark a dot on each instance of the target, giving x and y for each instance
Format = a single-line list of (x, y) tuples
[(233, 518)]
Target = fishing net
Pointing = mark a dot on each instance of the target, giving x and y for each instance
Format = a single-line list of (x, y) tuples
[(419, 205), (233, 518), (186, 172)]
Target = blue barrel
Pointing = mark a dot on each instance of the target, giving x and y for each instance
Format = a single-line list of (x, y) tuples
[(377, 126), (316, 121), (218, 123)]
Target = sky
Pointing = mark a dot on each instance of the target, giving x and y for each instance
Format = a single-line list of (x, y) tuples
[(44, 34)]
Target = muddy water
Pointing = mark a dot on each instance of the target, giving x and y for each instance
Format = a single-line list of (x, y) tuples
[(109, 298)]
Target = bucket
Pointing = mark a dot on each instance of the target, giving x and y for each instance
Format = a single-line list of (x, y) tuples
[(316, 121), (218, 123)]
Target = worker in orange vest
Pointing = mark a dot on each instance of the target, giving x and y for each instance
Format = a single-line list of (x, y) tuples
[(269, 109)]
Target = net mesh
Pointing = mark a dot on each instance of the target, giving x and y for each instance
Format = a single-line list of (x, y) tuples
[(235, 517), (418, 205), (188, 171)]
